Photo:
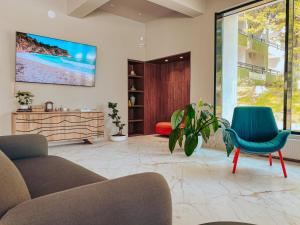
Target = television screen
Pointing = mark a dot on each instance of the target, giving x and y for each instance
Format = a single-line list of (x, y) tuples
[(52, 61)]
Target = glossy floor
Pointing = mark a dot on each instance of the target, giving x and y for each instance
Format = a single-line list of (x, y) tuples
[(203, 187)]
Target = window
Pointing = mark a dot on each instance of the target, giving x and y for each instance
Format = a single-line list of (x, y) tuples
[(257, 60)]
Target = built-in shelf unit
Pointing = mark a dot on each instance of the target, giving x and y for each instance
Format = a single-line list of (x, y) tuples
[(136, 89)]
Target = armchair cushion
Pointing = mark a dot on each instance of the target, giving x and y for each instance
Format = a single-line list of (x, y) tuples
[(260, 147), (132, 200), (46, 175), (13, 188), (24, 146)]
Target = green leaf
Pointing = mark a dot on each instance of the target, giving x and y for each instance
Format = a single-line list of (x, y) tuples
[(173, 139), (176, 118), (215, 124), (228, 142), (205, 132), (190, 111), (190, 144)]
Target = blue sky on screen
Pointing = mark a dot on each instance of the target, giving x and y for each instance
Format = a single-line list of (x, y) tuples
[(76, 50)]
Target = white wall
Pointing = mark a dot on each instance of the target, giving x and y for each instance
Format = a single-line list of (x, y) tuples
[(115, 37), (176, 35)]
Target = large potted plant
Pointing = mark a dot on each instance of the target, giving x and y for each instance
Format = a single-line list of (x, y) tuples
[(199, 121), (24, 99), (116, 120)]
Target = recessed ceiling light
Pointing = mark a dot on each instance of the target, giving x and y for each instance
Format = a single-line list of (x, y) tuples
[(166, 60), (140, 14), (181, 57), (51, 14)]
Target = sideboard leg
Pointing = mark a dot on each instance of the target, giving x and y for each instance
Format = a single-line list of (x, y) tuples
[(87, 141)]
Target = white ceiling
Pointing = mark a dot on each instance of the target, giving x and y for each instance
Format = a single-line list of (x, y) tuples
[(139, 10)]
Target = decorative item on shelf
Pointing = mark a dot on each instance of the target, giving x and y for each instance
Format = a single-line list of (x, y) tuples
[(132, 72), (129, 103), (117, 121), (132, 100), (49, 106), (133, 88), (198, 121), (24, 99)]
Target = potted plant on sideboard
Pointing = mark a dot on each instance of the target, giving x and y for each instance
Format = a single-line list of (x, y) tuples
[(24, 99), (199, 121), (116, 119)]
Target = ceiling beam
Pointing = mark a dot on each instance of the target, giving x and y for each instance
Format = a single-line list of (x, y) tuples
[(81, 8), (191, 8)]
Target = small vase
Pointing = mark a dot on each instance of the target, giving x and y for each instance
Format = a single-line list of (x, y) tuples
[(132, 100)]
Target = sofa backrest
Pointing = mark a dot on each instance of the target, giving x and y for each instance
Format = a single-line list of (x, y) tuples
[(24, 146)]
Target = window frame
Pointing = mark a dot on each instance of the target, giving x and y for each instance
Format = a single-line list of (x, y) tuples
[(287, 67)]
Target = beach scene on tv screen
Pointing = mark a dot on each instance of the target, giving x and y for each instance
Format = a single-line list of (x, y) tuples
[(52, 61)]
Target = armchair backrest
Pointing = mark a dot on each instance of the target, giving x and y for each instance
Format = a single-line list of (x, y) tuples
[(254, 123)]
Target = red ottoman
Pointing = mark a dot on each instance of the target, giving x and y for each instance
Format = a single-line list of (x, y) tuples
[(164, 128)]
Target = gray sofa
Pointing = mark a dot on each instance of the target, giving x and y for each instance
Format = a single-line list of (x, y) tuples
[(59, 192)]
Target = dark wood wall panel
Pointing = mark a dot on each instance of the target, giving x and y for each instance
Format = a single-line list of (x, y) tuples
[(151, 100), (174, 88), (167, 88)]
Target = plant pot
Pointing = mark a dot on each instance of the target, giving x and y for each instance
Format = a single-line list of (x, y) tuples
[(24, 107), (200, 143), (118, 138)]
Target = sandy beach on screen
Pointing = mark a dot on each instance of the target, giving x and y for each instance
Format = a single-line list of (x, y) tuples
[(30, 71)]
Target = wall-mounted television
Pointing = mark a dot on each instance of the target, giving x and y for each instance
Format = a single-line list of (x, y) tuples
[(52, 61)]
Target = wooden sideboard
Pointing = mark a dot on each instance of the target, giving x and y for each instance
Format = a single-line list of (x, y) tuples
[(60, 126)]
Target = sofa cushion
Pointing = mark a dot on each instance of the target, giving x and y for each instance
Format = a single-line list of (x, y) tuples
[(13, 188), (46, 175)]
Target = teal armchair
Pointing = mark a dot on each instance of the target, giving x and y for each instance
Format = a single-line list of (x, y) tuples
[(254, 131)]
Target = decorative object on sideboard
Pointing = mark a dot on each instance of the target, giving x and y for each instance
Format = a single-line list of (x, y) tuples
[(117, 121), (37, 108), (132, 100), (199, 121), (49, 106), (85, 109), (24, 99)]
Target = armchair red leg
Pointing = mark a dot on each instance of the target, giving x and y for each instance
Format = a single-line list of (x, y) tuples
[(270, 159), (236, 158), (282, 164)]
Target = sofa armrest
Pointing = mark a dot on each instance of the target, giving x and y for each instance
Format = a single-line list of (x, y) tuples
[(24, 146), (142, 199)]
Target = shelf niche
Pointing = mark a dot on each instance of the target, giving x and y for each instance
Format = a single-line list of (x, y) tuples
[(162, 86)]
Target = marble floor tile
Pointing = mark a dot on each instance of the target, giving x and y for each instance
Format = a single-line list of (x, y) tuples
[(203, 187)]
